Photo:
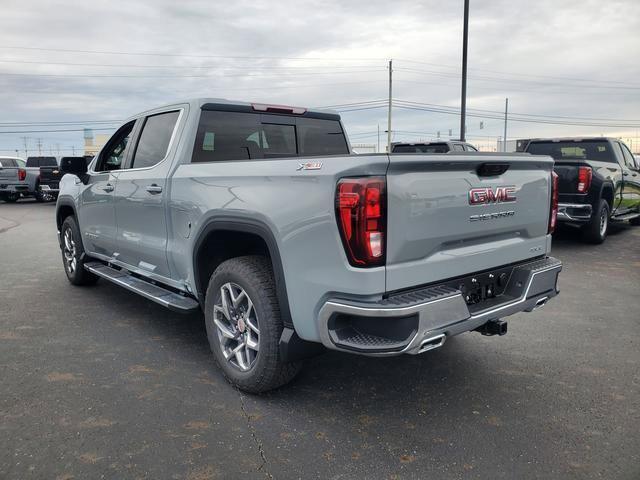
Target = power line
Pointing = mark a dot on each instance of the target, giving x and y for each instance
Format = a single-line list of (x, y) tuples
[(575, 79), (83, 75), (54, 131), (509, 80), (158, 54)]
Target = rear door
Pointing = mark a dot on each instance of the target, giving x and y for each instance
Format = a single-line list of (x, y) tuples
[(630, 179), (141, 193), (97, 212), (448, 215)]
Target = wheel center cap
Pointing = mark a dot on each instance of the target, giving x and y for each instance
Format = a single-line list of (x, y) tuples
[(241, 325)]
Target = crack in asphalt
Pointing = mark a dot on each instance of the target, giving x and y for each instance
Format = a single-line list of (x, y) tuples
[(254, 436), (5, 229)]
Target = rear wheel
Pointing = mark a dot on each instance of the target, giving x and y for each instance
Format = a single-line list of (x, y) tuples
[(244, 325), (11, 197), (73, 254), (596, 230)]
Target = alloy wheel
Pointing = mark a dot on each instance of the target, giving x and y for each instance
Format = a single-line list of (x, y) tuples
[(236, 322), (69, 251)]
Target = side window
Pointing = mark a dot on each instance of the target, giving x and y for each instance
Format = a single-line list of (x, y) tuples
[(112, 156), (471, 148), (21, 163), (154, 140), (618, 149), (458, 148), (629, 159)]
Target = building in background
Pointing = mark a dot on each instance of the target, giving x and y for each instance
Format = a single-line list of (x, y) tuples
[(93, 143)]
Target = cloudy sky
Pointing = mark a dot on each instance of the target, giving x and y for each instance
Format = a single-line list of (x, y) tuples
[(568, 67)]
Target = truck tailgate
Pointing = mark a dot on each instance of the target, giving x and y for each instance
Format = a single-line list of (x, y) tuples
[(8, 175), (451, 215), (50, 176)]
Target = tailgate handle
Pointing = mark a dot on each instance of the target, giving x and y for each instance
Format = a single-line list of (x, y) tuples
[(492, 169)]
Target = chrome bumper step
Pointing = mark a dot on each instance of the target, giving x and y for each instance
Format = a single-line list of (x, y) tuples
[(155, 293)]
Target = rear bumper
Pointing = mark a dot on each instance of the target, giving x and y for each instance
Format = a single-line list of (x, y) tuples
[(14, 188), (419, 320), (574, 212), (49, 188)]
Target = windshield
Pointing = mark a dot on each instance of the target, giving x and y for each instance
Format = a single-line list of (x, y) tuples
[(598, 150)]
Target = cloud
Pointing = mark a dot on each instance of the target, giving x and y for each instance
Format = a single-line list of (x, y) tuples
[(549, 58)]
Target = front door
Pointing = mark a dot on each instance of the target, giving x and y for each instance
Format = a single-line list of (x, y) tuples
[(140, 197), (97, 216)]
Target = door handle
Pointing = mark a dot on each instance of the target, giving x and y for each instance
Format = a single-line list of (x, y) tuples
[(108, 188), (154, 189)]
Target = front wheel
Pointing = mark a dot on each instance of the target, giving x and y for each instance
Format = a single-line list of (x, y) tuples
[(596, 230), (73, 254), (244, 325)]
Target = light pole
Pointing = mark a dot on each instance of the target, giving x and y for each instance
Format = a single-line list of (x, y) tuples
[(463, 96)]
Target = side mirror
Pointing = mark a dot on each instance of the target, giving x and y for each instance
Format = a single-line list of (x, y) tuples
[(74, 165)]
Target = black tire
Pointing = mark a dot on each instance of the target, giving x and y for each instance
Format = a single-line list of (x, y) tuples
[(39, 195), (73, 258), (596, 230), (254, 275), (11, 197)]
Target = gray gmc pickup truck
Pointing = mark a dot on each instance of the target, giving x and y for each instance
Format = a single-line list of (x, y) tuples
[(260, 216)]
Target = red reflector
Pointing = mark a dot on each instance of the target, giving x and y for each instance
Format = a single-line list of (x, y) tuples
[(553, 216), (278, 109), (584, 179), (22, 174), (361, 216)]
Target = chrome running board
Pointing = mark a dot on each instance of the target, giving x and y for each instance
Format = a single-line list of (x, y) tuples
[(155, 293)]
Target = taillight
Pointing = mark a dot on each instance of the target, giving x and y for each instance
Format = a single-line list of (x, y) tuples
[(22, 174), (584, 179), (553, 216), (361, 213)]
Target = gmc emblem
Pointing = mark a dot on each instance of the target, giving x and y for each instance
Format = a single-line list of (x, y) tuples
[(484, 195)]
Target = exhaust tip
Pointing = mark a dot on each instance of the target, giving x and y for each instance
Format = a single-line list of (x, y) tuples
[(432, 342), (541, 302)]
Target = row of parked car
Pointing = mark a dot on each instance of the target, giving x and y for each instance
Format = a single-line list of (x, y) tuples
[(37, 177), (598, 178)]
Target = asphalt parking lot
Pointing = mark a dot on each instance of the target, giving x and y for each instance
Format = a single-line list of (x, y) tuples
[(99, 383)]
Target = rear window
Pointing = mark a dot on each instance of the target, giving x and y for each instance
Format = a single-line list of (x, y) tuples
[(242, 136), (422, 148), (42, 162), (8, 163), (585, 150)]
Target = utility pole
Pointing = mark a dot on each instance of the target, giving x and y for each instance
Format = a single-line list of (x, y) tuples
[(506, 110), (73, 149), (26, 151), (39, 147), (463, 96), (378, 139), (390, 103), (58, 148)]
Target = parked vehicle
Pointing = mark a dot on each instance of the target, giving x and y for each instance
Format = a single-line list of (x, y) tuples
[(261, 216), (432, 147), (13, 179), (49, 184), (34, 170), (599, 182)]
